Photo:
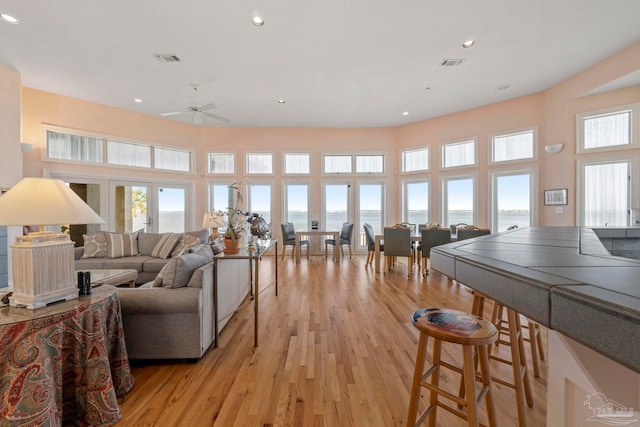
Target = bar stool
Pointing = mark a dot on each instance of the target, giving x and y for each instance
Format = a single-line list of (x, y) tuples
[(456, 327), (518, 362)]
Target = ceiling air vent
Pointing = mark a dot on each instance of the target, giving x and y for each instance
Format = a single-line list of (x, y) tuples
[(451, 62), (167, 58)]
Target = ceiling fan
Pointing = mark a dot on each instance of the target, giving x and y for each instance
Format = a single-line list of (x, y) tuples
[(198, 112)]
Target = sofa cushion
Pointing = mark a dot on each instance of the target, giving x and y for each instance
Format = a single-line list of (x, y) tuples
[(154, 265), (147, 242), (186, 241), (95, 245), (165, 245), (122, 245), (89, 264), (203, 235), (132, 262), (180, 269)]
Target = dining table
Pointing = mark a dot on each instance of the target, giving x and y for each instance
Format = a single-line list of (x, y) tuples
[(376, 253), (334, 233)]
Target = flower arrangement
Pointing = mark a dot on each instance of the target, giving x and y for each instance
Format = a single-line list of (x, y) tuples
[(234, 219)]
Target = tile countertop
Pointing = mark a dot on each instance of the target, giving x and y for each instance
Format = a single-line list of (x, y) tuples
[(561, 277)]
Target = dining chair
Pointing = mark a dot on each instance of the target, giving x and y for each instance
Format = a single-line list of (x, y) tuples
[(471, 231), (397, 242), (289, 239), (371, 244), (431, 237), (346, 234)]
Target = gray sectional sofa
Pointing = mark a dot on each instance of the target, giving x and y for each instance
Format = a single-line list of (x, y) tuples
[(171, 316)]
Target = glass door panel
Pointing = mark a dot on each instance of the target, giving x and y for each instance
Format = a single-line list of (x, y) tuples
[(370, 208), (336, 206), (172, 203), (130, 204)]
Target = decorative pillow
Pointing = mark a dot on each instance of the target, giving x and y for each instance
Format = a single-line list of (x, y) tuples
[(202, 234), (180, 269), (157, 282), (186, 241), (165, 245), (147, 242), (121, 245), (95, 245)]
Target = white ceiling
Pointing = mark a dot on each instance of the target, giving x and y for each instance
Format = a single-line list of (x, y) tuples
[(337, 63)]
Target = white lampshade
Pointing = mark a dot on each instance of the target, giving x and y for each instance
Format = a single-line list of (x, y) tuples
[(44, 201)]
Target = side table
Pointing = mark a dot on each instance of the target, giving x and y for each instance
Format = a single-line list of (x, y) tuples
[(255, 256), (65, 364)]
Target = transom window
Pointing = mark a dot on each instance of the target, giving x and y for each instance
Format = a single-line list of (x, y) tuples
[(415, 160), (348, 163), (513, 146), (259, 163), (458, 154), (126, 154), (297, 163), (610, 129), (222, 163)]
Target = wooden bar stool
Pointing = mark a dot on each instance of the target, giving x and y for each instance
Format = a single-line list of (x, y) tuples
[(513, 327), (455, 327)]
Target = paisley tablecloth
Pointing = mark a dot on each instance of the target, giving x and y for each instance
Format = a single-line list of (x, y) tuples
[(65, 364)]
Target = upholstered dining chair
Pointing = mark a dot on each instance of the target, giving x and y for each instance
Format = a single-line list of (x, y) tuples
[(371, 244), (346, 234), (289, 239), (397, 242), (471, 231), (432, 236)]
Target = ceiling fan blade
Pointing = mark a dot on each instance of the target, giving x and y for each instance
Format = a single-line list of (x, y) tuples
[(205, 107), (216, 117), (173, 113)]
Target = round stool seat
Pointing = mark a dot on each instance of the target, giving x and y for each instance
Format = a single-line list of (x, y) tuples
[(455, 326)]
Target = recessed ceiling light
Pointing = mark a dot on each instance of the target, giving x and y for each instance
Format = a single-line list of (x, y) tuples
[(281, 101), (468, 44), (8, 18), (405, 113), (138, 100), (257, 21)]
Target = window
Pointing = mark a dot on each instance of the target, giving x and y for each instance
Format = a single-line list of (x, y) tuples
[(337, 164), (371, 206), (458, 200), (513, 201), (605, 193), (369, 164), (221, 163), (415, 160), (259, 163), (128, 154), (297, 164), (172, 159), (609, 129), (336, 205), (415, 206), (297, 205), (74, 147), (260, 200), (459, 154), (514, 146), (220, 197)]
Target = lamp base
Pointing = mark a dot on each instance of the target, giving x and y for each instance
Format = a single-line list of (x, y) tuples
[(43, 271)]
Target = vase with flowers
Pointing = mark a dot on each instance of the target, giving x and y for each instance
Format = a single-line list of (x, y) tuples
[(235, 221)]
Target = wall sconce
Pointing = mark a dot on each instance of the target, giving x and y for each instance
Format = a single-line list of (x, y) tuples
[(26, 148), (554, 148)]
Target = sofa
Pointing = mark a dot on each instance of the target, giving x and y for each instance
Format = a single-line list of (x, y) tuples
[(171, 316)]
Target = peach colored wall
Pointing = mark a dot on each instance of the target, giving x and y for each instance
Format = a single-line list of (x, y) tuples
[(553, 111)]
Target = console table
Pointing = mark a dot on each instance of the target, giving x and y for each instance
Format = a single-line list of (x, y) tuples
[(65, 364), (254, 257)]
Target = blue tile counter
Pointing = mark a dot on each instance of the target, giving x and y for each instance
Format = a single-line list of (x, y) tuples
[(561, 277)]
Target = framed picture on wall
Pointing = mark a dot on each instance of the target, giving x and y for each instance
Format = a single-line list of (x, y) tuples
[(555, 197)]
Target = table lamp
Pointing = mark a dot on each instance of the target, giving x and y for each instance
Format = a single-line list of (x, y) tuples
[(213, 220), (43, 261)]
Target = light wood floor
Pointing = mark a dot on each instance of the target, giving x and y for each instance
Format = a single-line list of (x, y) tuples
[(337, 348)]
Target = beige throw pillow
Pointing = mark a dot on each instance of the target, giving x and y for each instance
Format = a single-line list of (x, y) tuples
[(122, 245), (187, 241), (165, 245), (95, 245), (180, 269)]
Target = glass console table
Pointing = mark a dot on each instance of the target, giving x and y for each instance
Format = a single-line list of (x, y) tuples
[(253, 257)]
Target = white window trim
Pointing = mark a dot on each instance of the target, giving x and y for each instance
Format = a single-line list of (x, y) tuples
[(235, 163), (385, 159), (444, 219), (246, 164), (284, 164), (635, 127), (533, 193), (493, 135), (401, 156), (634, 182), (456, 142), (403, 192), (44, 154)]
